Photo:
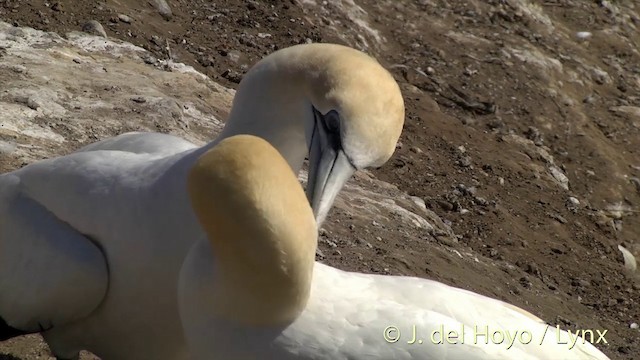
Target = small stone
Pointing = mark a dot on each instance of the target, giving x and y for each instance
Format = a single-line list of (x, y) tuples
[(636, 182), (7, 147), (532, 268), (32, 103), (329, 242), (583, 35), (94, 27), (445, 205), (416, 150), (319, 254), (124, 18), (600, 77), (590, 99), (163, 9), (149, 59), (558, 217), (559, 177), (138, 99), (465, 161), (525, 282), (634, 326)]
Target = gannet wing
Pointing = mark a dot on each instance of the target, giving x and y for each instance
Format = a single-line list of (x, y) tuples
[(50, 274), (142, 143)]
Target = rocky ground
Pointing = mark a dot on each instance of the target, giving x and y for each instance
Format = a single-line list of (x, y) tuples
[(521, 136)]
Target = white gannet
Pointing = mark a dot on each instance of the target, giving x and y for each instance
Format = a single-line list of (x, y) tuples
[(91, 243), (250, 289)]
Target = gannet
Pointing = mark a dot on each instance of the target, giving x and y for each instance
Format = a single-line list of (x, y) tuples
[(250, 288), (91, 243)]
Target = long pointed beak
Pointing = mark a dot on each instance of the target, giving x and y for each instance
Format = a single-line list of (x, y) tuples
[(329, 170)]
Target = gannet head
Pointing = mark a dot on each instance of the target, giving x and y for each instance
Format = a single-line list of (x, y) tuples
[(261, 229), (332, 102), (358, 117)]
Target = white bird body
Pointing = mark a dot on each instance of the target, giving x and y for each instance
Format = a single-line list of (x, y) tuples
[(91, 243), (348, 313), (142, 265), (251, 289)]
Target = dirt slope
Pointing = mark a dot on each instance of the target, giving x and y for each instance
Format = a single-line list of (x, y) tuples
[(522, 134)]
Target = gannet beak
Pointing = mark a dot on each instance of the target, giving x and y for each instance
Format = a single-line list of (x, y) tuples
[(329, 168)]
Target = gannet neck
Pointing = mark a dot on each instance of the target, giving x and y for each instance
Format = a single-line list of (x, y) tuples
[(270, 103), (261, 229)]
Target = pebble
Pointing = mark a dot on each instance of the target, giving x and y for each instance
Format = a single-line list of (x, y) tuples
[(94, 27), (329, 242), (558, 218), (32, 103), (634, 325), (7, 147), (583, 35), (635, 181), (445, 205), (163, 9), (124, 18), (149, 59), (560, 177), (600, 76), (465, 161)]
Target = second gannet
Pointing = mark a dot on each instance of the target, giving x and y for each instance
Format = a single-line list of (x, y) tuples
[(250, 289), (91, 243)]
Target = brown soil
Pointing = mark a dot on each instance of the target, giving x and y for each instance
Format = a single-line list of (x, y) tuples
[(485, 155)]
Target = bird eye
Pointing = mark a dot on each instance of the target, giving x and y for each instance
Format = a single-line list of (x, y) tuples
[(332, 121)]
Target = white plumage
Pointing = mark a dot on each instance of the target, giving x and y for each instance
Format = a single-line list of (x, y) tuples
[(283, 306), (91, 243)]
